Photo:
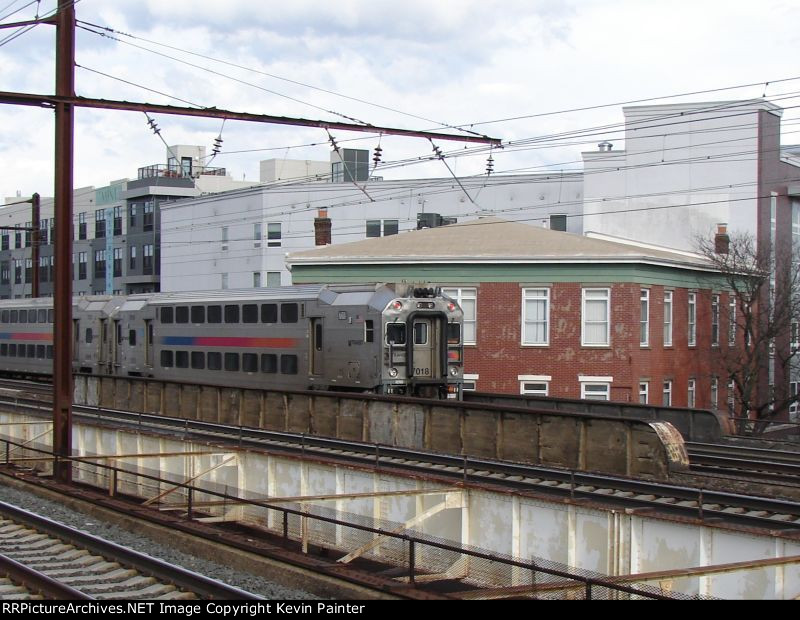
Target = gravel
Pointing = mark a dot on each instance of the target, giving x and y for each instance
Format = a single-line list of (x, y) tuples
[(143, 544)]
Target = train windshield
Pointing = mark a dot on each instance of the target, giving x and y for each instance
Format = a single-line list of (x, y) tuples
[(396, 333), (453, 333)]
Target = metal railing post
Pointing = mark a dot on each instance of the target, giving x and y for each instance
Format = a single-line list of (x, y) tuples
[(411, 560)]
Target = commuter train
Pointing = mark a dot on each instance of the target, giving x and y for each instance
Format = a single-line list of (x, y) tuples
[(386, 339)]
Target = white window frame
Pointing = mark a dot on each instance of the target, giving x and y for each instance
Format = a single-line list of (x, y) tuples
[(731, 399), (666, 393), (691, 319), (459, 294), (535, 379), (584, 321), (644, 319), (668, 297), (224, 237), (271, 276), (535, 294), (257, 235), (470, 378), (256, 279), (715, 320), (594, 381), (644, 392), (274, 240), (714, 393), (732, 320), (691, 393)]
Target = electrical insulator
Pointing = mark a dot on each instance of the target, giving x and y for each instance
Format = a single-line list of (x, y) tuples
[(153, 125), (377, 157), (217, 145), (489, 166), (438, 152)]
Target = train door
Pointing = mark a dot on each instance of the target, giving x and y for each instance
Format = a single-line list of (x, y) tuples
[(317, 332), (426, 351), (148, 342), (117, 345), (102, 357), (76, 340)]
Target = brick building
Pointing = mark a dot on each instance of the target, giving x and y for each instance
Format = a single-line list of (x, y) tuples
[(555, 313)]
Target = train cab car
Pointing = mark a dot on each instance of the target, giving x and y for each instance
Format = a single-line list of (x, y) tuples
[(26, 336), (94, 344)]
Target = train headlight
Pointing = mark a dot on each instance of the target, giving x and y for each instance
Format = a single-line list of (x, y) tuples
[(453, 371), (392, 372), (396, 305), (451, 307)]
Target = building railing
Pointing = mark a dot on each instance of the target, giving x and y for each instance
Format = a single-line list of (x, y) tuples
[(176, 172)]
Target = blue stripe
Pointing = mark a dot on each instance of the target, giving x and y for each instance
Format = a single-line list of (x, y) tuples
[(186, 341)]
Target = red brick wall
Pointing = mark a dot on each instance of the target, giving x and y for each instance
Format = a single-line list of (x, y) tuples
[(498, 357)]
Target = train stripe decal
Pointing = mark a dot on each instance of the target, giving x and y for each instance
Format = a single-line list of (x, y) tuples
[(26, 336), (210, 341)]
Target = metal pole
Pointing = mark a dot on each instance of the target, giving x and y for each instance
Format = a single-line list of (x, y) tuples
[(35, 242), (62, 298)]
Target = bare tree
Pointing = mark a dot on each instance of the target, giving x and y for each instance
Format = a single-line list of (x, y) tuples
[(760, 352)]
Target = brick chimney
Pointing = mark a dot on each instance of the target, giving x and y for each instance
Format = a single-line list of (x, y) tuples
[(322, 228), (722, 241)]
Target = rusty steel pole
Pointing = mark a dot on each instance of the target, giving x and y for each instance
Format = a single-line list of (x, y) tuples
[(62, 296), (35, 241)]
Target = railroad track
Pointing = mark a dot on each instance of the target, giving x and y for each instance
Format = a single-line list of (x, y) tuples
[(45, 559), (766, 464)]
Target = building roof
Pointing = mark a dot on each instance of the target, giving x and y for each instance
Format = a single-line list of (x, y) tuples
[(493, 240)]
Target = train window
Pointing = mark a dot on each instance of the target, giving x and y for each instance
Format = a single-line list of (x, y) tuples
[(49, 351), (88, 335), (166, 359), (250, 313), (232, 313), (12, 350), (453, 333), (215, 360), (369, 331), (215, 314), (50, 315), (118, 332), (4, 350), (32, 316), (249, 362), (288, 364), (14, 316), (420, 333), (396, 333), (269, 313), (198, 360), (269, 363), (288, 313), (318, 336), (182, 314), (39, 351), (166, 315), (181, 359), (4, 316), (232, 361), (198, 314), (31, 350), (132, 337), (42, 316)]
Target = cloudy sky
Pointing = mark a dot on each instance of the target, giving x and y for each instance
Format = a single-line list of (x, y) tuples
[(517, 70)]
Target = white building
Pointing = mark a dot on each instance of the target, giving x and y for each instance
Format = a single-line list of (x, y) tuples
[(239, 239)]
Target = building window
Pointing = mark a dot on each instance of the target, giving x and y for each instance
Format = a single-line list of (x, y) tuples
[(373, 228), (691, 329), (732, 320), (257, 235), (5, 242), (99, 264), (132, 216), (667, 318), (117, 262), (644, 318), (5, 273), (224, 237), (99, 224), (731, 398), (535, 316), (595, 324), (117, 221), (667, 394), (256, 279), (148, 215), (43, 264), (43, 230), (28, 233), (690, 399), (390, 227), (17, 271), (558, 221), (467, 298), (132, 262), (715, 320), (644, 389), (82, 260), (224, 283), (535, 385), (81, 225), (29, 270), (273, 279), (147, 259), (595, 388), (274, 235), (714, 393)]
